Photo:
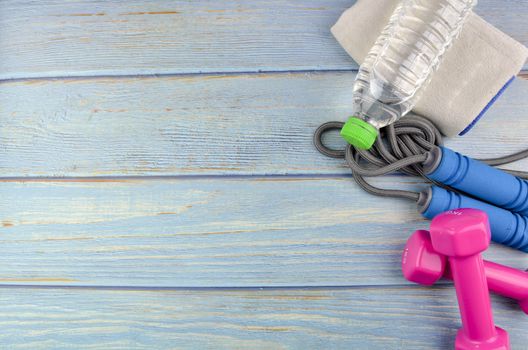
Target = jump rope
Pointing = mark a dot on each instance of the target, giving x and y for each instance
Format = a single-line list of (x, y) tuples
[(414, 146)]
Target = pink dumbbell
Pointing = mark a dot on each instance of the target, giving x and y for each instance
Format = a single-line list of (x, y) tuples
[(462, 235), (423, 265)]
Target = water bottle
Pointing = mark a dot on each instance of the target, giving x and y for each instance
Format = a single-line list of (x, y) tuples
[(400, 64)]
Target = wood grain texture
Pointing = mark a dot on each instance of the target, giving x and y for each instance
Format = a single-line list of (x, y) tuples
[(49, 38), (195, 125), (114, 241), (365, 318), (208, 232)]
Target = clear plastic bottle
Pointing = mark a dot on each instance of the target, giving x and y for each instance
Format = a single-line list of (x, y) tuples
[(400, 64)]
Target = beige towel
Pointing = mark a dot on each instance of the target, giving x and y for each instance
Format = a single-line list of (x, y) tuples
[(475, 70)]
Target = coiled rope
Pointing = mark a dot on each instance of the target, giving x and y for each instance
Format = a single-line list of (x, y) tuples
[(403, 147)]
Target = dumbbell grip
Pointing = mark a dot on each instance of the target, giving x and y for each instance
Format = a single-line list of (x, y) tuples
[(473, 297), (506, 281), (477, 179), (503, 280), (507, 228)]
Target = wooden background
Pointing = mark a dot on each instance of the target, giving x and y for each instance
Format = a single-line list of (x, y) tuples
[(159, 188)]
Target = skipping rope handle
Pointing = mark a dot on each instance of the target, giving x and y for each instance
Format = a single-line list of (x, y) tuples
[(477, 179)]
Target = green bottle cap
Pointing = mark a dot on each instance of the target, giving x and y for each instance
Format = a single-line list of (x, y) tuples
[(359, 133)]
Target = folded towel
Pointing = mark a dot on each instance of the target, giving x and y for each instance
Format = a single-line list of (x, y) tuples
[(476, 69)]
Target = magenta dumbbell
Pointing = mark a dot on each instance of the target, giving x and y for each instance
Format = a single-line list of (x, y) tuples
[(423, 265), (462, 235)]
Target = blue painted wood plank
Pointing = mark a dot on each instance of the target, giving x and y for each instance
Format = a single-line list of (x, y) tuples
[(365, 318), (208, 232), (76, 38), (195, 125)]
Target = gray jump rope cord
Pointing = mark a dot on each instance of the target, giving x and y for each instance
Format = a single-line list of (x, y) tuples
[(401, 146)]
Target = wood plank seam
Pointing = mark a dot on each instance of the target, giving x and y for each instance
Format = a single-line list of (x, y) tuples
[(523, 74), (173, 75), (441, 284)]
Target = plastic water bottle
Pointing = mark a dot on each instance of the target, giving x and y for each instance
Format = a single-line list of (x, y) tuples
[(400, 64)]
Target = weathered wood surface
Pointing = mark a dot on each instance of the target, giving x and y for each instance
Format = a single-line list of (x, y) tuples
[(49, 38), (216, 124), (208, 232), (357, 318), (182, 182)]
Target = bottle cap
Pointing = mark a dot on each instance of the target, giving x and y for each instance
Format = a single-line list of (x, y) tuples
[(359, 133)]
